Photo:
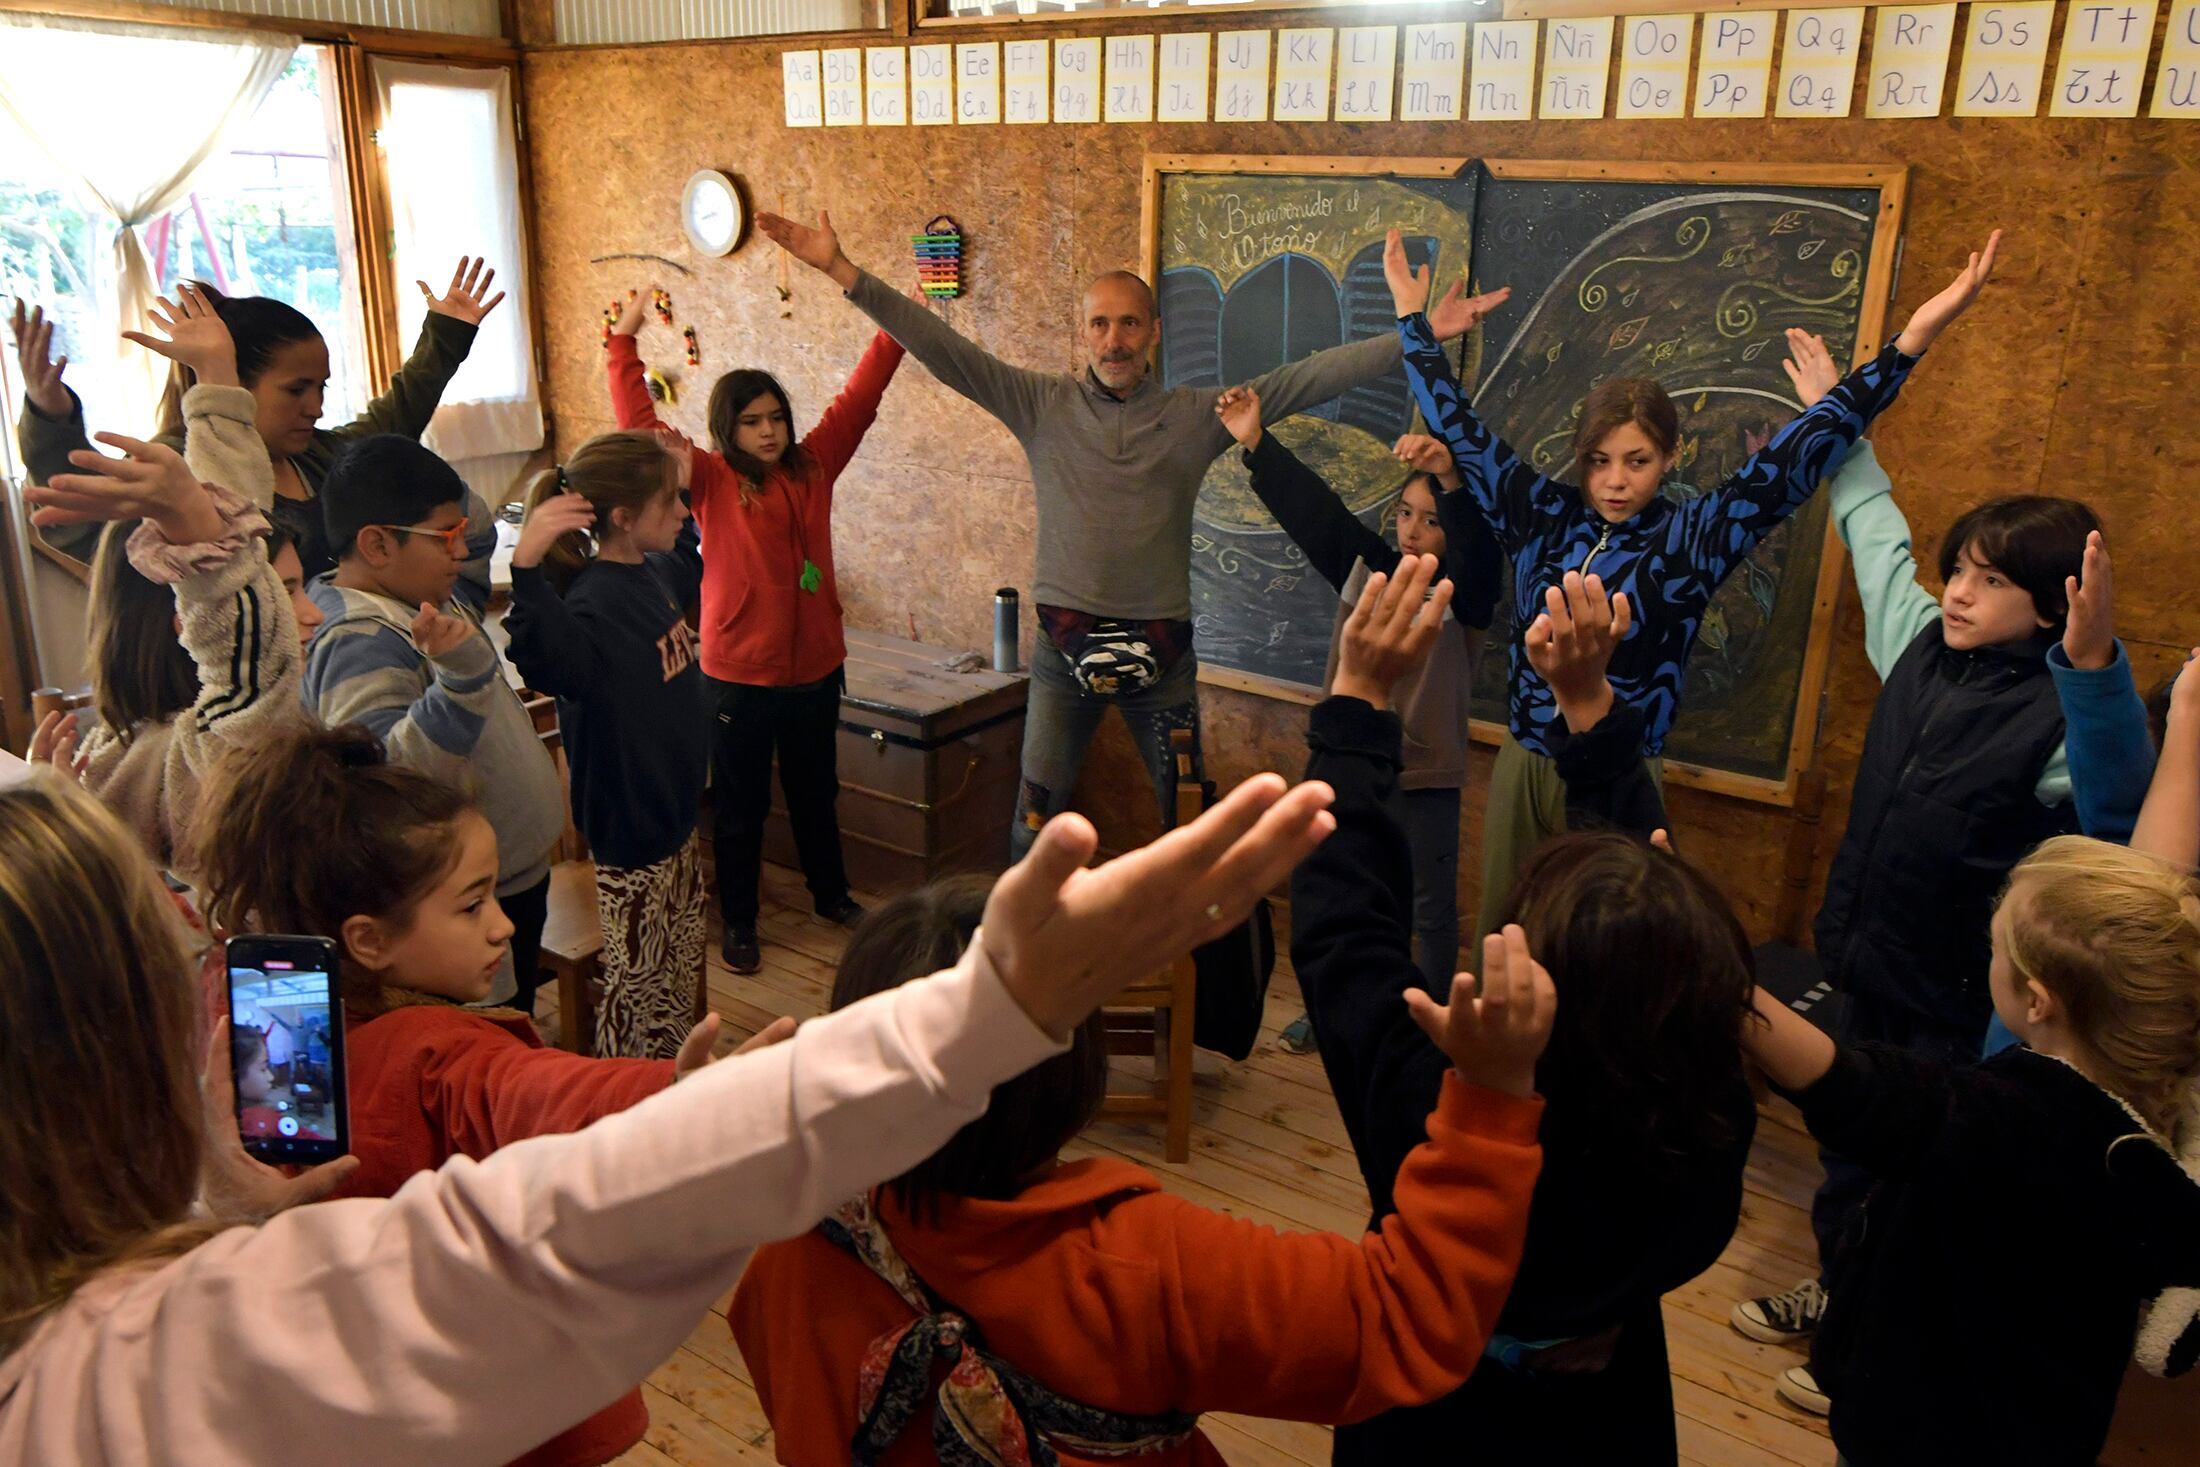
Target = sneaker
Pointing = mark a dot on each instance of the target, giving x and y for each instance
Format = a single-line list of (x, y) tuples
[(1799, 1388), (1782, 1319), (740, 948), (1297, 1036), (843, 913)]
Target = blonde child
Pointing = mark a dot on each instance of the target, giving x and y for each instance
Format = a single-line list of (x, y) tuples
[(2033, 1196)]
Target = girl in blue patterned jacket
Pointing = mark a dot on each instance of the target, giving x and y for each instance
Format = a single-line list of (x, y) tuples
[(1669, 557)]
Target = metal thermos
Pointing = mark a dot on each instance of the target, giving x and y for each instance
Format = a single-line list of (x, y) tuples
[(1006, 621)]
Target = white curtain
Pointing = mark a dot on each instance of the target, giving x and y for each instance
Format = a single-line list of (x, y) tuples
[(131, 113), (451, 149)]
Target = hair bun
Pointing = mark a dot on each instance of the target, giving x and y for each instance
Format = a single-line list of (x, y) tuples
[(353, 747)]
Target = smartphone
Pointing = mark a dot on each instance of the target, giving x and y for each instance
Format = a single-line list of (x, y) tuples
[(286, 1047)]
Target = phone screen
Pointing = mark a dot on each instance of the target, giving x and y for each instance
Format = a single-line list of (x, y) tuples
[(287, 1048)]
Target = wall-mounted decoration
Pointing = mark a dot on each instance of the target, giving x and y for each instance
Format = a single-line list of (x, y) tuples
[(939, 258)]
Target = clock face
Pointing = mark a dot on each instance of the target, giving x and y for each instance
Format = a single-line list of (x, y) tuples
[(711, 212)]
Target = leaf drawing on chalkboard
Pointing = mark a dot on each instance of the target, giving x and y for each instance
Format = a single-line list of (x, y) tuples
[(1755, 349), (1763, 589), (1624, 334), (1692, 235), (1557, 350), (1713, 635), (1744, 253), (1808, 248), (1281, 583), (1788, 223)]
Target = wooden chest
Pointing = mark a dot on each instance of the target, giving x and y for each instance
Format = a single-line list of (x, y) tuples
[(929, 761)]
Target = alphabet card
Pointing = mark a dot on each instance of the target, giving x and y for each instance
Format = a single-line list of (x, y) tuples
[(1736, 70), (1302, 74), (1129, 79), (1653, 65), (2104, 54), (1818, 63), (1241, 76), (1367, 58), (1577, 67), (1025, 82), (2177, 79), (1077, 81), (1182, 95), (800, 73), (1435, 61), (1910, 48), (2004, 54), (843, 69), (886, 86), (978, 82), (932, 85), (1501, 83)]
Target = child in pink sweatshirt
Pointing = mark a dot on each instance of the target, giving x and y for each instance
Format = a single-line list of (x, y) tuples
[(130, 1330)]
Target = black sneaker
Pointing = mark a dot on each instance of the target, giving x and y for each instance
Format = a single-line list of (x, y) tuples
[(1781, 1319), (1799, 1388), (843, 913), (740, 948)]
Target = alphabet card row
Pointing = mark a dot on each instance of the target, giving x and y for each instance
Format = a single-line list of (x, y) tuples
[(1719, 64)]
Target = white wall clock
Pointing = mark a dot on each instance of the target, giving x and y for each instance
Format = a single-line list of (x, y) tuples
[(712, 213)]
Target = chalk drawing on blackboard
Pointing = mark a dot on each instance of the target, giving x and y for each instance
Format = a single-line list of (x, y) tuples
[(1257, 271)]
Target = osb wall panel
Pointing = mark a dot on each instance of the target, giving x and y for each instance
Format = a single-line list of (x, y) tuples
[(2065, 379)]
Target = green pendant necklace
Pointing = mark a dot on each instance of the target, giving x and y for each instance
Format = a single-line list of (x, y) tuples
[(812, 577)]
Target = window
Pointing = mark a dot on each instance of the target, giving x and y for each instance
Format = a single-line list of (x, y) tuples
[(261, 218), (450, 147)]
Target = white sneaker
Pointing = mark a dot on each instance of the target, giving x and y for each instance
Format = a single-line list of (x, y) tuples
[(1782, 1319), (1799, 1388)]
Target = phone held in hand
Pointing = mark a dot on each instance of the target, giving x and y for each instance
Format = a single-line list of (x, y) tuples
[(286, 1042)]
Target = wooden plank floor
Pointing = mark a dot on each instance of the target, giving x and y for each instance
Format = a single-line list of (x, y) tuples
[(1267, 1144)]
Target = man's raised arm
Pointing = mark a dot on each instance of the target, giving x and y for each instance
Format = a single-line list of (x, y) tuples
[(1015, 395)]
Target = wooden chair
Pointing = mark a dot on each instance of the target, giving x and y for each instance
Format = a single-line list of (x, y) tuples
[(1155, 1015)]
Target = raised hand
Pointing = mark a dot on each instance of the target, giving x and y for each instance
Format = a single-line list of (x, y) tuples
[(436, 632), (549, 522), (463, 300), (682, 449), (695, 1049), (1458, 313), (54, 743), (1426, 455), (2089, 636), (1810, 366), (1390, 630), (632, 314), (153, 483), (192, 333), (1239, 409), (1571, 643), (33, 337), (234, 1185), (1408, 290), (1065, 939), (816, 246), (1937, 314), (1493, 1036)]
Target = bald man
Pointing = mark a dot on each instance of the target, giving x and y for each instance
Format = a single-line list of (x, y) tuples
[(1116, 461)]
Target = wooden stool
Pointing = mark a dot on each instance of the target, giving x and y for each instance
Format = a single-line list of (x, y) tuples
[(572, 951), (1155, 1015)]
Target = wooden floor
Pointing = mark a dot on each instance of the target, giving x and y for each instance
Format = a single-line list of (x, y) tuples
[(1267, 1144)]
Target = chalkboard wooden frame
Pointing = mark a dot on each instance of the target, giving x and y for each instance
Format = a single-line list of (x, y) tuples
[(1892, 183)]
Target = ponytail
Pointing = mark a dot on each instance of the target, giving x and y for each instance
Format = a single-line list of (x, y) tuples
[(629, 470), (315, 825)]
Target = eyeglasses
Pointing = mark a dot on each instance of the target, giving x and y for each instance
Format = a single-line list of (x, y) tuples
[(454, 539)]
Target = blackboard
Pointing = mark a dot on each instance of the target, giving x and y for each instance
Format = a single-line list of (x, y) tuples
[(1687, 274)]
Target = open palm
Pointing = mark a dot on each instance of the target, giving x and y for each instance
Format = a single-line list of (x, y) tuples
[(468, 297)]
